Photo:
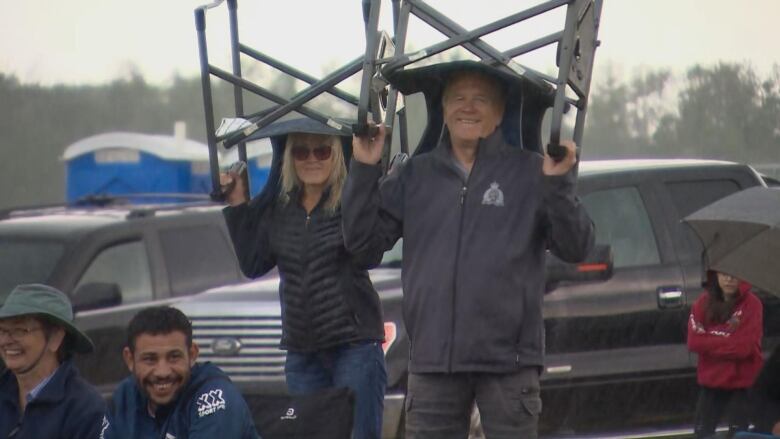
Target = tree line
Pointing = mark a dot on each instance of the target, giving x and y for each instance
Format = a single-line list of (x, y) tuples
[(725, 111)]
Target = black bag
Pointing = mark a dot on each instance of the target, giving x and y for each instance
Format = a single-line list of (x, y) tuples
[(326, 414)]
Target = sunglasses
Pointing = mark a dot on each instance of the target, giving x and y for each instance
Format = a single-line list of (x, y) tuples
[(301, 153)]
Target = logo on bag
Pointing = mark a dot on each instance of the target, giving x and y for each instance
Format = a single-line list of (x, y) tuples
[(493, 196), (290, 415), (210, 402)]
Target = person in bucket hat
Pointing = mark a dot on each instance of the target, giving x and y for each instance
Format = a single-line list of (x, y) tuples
[(332, 326), (42, 394), (477, 206)]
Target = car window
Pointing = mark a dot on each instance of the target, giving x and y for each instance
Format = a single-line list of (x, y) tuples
[(690, 196), (23, 262), (621, 221), (197, 258), (126, 265), (392, 258)]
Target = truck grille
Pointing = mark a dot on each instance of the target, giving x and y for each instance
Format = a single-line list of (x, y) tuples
[(256, 355)]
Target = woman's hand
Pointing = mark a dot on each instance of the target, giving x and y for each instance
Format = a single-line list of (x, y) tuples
[(233, 184)]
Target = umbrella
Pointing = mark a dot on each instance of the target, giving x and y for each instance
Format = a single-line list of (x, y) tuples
[(741, 235)]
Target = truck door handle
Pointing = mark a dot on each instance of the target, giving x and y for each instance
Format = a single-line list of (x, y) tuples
[(670, 297)]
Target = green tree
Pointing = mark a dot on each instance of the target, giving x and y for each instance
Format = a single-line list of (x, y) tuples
[(725, 112)]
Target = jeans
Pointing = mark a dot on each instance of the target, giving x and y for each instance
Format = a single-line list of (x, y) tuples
[(359, 366), (438, 405), (713, 404)]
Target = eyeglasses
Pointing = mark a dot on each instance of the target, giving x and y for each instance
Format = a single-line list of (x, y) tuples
[(17, 333), (301, 153)]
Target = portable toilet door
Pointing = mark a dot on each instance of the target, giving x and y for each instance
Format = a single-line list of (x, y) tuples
[(121, 163)]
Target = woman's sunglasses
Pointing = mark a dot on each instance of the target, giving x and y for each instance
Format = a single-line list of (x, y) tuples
[(301, 153)]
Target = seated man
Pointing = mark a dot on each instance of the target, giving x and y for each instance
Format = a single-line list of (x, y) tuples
[(168, 395), (42, 395)]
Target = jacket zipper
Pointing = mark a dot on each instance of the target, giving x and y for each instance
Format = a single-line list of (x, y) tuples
[(305, 265), (463, 192)]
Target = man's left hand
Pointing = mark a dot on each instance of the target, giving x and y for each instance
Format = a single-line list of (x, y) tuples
[(551, 167)]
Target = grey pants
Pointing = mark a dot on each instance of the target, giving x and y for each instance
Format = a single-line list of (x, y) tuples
[(438, 405)]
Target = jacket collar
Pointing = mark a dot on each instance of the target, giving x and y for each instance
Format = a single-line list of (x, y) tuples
[(294, 196), (200, 372), (54, 390)]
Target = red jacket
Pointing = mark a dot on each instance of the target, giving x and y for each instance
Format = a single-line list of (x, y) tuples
[(730, 352)]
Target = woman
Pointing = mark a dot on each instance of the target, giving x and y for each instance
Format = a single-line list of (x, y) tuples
[(725, 329), (332, 324)]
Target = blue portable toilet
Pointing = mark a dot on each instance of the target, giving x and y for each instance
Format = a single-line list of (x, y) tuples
[(259, 154), (121, 163)]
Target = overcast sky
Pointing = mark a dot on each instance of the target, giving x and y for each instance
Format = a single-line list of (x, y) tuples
[(94, 41)]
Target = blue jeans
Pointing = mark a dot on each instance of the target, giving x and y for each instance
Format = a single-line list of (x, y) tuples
[(359, 366)]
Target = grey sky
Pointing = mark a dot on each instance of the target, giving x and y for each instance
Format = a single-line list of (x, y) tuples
[(93, 41)]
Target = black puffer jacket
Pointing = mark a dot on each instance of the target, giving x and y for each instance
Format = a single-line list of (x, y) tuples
[(327, 297)]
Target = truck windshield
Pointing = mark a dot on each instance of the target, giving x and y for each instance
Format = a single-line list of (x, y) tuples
[(30, 261)]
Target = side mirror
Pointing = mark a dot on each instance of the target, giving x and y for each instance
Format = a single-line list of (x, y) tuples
[(96, 295), (597, 266)]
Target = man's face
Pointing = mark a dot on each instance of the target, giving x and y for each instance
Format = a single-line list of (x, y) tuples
[(24, 346), (161, 365), (472, 107)]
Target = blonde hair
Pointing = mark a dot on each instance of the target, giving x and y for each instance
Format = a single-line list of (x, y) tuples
[(336, 179)]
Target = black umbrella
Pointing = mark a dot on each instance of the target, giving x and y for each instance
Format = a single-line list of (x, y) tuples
[(741, 235)]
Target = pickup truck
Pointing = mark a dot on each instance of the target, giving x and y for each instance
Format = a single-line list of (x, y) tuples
[(616, 353), (112, 259)]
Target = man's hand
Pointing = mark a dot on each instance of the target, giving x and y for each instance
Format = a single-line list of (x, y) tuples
[(368, 150), (551, 167), (234, 186)]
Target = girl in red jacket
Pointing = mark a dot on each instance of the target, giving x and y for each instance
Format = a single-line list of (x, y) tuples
[(725, 330)]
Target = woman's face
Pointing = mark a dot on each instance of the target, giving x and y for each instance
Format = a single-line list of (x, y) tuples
[(312, 155), (728, 284)]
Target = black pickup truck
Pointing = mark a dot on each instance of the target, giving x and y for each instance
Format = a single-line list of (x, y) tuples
[(112, 259), (616, 354)]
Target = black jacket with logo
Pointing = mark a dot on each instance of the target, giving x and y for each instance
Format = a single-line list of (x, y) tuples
[(473, 250), (327, 297)]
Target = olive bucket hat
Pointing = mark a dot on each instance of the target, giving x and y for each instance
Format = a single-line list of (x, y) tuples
[(49, 302)]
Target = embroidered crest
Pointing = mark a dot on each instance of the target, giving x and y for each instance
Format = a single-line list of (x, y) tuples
[(493, 196), (210, 402)]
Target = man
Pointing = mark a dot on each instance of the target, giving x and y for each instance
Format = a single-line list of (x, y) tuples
[(42, 395), (168, 395), (476, 214)]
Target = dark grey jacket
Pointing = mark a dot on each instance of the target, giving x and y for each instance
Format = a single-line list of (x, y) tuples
[(326, 295), (473, 251)]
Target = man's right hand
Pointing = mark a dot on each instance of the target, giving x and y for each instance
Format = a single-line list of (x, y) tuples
[(234, 186), (368, 150)]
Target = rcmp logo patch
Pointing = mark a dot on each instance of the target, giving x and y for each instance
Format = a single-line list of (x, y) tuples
[(493, 196)]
